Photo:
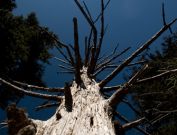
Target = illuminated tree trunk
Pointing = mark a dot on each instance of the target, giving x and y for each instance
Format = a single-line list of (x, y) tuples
[(90, 115), (82, 110)]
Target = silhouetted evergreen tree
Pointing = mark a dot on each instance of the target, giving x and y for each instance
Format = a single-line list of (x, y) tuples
[(23, 49), (157, 98), (8, 5)]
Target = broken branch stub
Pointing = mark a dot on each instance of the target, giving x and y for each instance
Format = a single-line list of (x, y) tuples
[(68, 98), (78, 61)]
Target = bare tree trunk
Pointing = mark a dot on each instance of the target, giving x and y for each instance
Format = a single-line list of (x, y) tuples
[(83, 110), (91, 114)]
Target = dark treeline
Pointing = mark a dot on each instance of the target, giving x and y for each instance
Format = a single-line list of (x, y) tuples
[(23, 49), (157, 97)]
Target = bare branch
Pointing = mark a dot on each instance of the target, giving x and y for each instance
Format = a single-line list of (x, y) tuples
[(38, 108), (71, 47), (89, 21), (98, 49), (70, 55), (66, 68), (163, 15), (58, 45), (92, 60), (115, 66), (135, 77), (113, 58), (102, 28), (70, 59), (136, 63), (66, 72), (39, 87), (127, 121), (132, 124), (157, 76), (152, 93), (104, 58), (87, 56), (61, 60), (76, 44), (88, 12), (30, 93), (160, 118), (98, 17), (68, 98), (78, 60), (93, 27), (116, 97), (165, 112), (86, 50), (63, 54), (134, 55), (111, 88), (131, 106)]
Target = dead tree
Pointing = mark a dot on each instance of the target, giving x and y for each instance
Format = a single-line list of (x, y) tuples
[(83, 108)]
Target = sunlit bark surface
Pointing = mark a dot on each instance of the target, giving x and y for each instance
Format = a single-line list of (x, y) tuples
[(90, 113)]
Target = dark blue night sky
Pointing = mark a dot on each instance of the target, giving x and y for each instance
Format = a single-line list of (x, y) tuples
[(130, 23)]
